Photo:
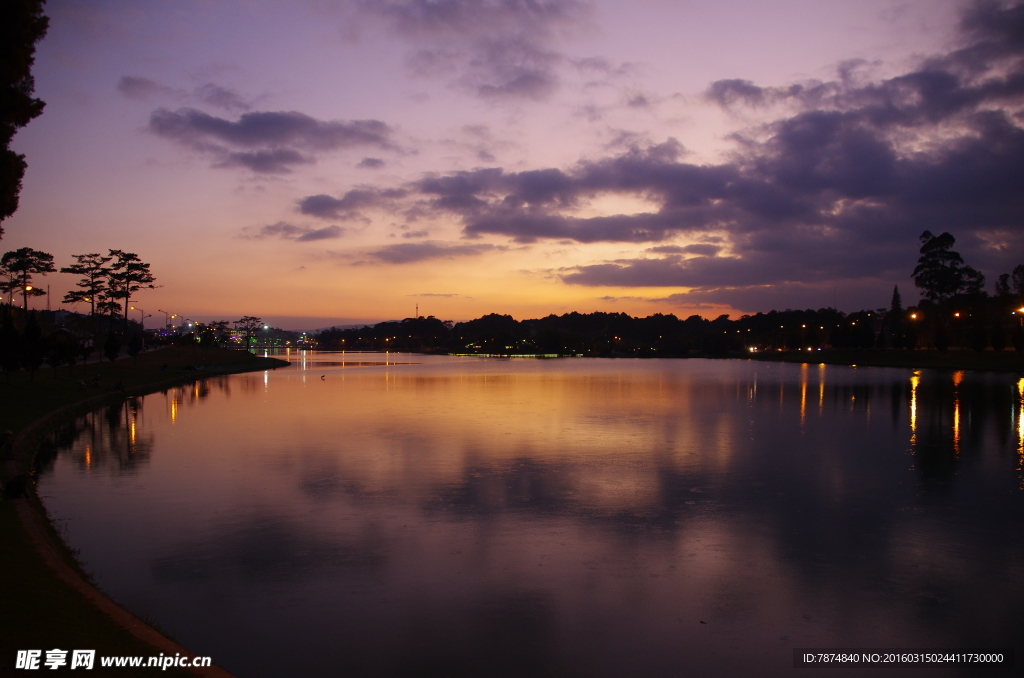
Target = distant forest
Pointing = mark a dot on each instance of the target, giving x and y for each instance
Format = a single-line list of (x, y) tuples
[(986, 323), (955, 312)]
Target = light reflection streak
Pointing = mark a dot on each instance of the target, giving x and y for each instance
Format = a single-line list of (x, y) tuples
[(1020, 430), (821, 388), (174, 407), (88, 455), (914, 381), (957, 378), (803, 394)]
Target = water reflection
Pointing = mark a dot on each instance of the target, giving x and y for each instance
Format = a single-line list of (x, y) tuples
[(1020, 431), (590, 517)]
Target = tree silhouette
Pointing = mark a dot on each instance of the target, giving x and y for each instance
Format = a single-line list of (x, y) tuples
[(213, 333), (894, 319), (941, 272), (32, 345), (8, 282), (128, 274), (135, 345), (1018, 280), (250, 324), (112, 346), (25, 263), (93, 284), (22, 25), (1003, 285), (10, 342)]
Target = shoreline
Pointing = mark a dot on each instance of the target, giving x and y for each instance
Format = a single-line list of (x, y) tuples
[(61, 583), (988, 361)]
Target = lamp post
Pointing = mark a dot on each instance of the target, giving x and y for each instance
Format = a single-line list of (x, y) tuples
[(167, 317), (142, 315)]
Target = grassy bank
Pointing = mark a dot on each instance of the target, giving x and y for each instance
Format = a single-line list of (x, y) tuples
[(1001, 361), (47, 604)]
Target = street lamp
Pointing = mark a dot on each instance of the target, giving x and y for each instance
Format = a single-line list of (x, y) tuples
[(142, 315), (167, 317)]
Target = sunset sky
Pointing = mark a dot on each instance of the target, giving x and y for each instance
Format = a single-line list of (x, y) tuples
[(338, 161)]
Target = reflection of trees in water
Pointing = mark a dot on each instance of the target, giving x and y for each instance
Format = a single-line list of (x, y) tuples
[(949, 415), (957, 418), (222, 385), (247, 383), (111, 439), (194, 393)]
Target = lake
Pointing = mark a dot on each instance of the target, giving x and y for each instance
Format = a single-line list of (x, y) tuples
[(453, 516)]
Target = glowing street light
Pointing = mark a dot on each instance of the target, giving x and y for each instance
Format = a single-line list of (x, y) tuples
[(142, 315), (167, 316)]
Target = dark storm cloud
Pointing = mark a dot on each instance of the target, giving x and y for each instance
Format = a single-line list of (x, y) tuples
[(277, 139), (494, 48), (287, 231), (408, 252)]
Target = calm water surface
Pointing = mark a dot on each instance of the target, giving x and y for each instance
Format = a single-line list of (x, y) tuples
[(474, 517)]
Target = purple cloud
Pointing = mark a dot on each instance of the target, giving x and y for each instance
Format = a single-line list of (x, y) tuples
[(287, 231), (278, 139), (409, 252)]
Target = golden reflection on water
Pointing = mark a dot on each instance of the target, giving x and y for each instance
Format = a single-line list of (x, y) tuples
[(1020, 430), (915, 381), (821, 388), (803, 393), (958, 377), (387, 425)]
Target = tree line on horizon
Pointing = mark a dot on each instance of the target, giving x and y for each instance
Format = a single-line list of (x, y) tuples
[(954, 311)]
